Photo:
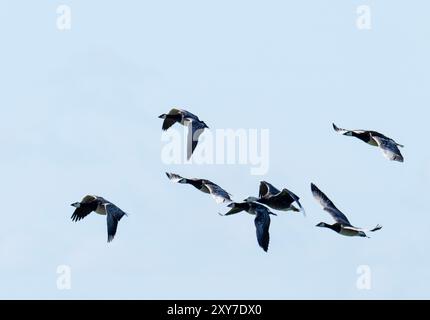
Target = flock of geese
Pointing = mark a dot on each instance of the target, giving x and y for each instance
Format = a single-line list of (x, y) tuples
[(269, 196)]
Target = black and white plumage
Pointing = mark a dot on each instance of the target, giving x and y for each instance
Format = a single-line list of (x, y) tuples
[(276, 199), (99, 205), (342, 224), (389, 147), (204, 185), (262, 220), (186, 118)]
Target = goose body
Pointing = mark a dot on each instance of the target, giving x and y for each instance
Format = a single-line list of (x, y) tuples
[(204, 185), (180, 116), (101, 206), (342, 225), (185, 118), (278, 200), (262, 220), (389, 147)]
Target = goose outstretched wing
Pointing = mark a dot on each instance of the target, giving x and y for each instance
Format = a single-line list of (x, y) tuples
[(347, 132), (218, 193), (174, 115), (236, 208), (114, 215), (389, 148), (294, 198), (328, 206), (340, 130), (86, 206), (195, 129), (267, 190), (174, 177), (262, 225)]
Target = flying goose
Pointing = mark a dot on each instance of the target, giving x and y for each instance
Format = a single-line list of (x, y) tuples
[(389, 147), (342, 225), (276, 199), (262, 219), (101, 206), (186, 118), (206, 186)]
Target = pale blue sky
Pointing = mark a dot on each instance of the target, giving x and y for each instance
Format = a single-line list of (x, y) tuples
[(79, 115)]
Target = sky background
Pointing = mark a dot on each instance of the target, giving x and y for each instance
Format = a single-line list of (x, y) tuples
[(78, 112)]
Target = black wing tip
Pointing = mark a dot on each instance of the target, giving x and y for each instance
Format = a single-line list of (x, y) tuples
[(260, 193), (265, 247), (335, 127), (377, 228), (76, 218), (170, 175), (123, 215), (167, 124), (295, 197), (399, 159), (314, 187), (264, 184)]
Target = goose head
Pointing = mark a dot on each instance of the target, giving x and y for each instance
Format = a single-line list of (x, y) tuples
[(337, 227), (251, 199), (163, 116), (323, 225), (76, 204)]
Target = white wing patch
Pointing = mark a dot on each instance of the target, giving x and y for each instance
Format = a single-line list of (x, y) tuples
[(389, 148)]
